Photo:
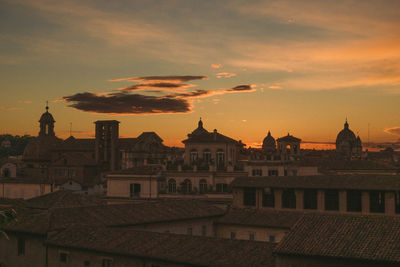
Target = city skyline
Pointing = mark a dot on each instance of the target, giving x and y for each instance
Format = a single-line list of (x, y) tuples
[(279, 66)]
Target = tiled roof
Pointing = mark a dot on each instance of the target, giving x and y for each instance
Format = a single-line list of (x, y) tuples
[(77, 144), (371, 237), (145, 212), (25, 180), (193, 250), (137, 213), (261, 218), (63, 199), (360, 182), (141, 170)]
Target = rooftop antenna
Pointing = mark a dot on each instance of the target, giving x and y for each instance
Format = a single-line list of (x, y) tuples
[(368, 135)]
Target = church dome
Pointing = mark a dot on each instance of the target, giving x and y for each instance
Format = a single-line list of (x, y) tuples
[(269, 142), (47, 117), (346, 135), (39, 149)]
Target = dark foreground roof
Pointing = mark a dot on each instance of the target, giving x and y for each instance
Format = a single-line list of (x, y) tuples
[(137, 213), (360, 182), (261, 218), (39, 221), (359, 237), (64, 199), (193, 250)]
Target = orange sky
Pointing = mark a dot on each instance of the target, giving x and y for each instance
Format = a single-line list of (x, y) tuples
[(285, 66)]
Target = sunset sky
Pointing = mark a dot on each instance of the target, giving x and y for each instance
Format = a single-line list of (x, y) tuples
[(244, 67)]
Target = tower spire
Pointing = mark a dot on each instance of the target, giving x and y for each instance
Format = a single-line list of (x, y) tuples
[(47, 106)]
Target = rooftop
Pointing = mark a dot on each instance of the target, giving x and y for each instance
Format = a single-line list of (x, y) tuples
[(356, 182), (193, 250), (344, 236)]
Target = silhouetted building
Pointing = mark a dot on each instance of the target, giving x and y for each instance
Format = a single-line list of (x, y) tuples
[(347, 143), (37, 154), (204, 149), (107, 134)]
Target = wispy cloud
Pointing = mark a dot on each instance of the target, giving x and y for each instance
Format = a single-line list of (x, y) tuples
[(225, 75), (393, 131), (216, 66), (169, 78)]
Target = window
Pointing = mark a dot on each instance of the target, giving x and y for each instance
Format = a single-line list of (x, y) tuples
[(63, 257), (288, 199), (272, 238), (257, 172), (203, 230), (273, 173), (233, 235), (203, 186), (171, 186), (268, 197), (251, 236), (193, 156), (354, 201), (207, 155), (220, 158), (107, 262), (135, 190), (222, 188), (249, 196), (21, 246), (331, 200), (397, 201), (377, 201), (190, 231), (310, 199), (187, 186)]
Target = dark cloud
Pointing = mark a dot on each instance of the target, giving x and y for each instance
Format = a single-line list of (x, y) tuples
[(171, 78), (241, 88), (121, 103), (162, 86), (195, 93)]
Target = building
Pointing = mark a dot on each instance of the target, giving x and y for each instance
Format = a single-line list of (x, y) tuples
[(257, 225), (347, 144), (25, 187), (37, 154), (359, 194), (211, 150)]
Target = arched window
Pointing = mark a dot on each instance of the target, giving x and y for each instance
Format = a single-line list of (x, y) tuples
[(187, 186), (193, 156), (203, 186), (207, 155), (171, 186), (220, 158)]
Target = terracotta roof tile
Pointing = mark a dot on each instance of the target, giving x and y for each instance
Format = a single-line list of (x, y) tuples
[(193, 250), (375, 238)]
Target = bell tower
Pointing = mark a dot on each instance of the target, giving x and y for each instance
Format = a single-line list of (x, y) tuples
[(107, 133), (47, 123)]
